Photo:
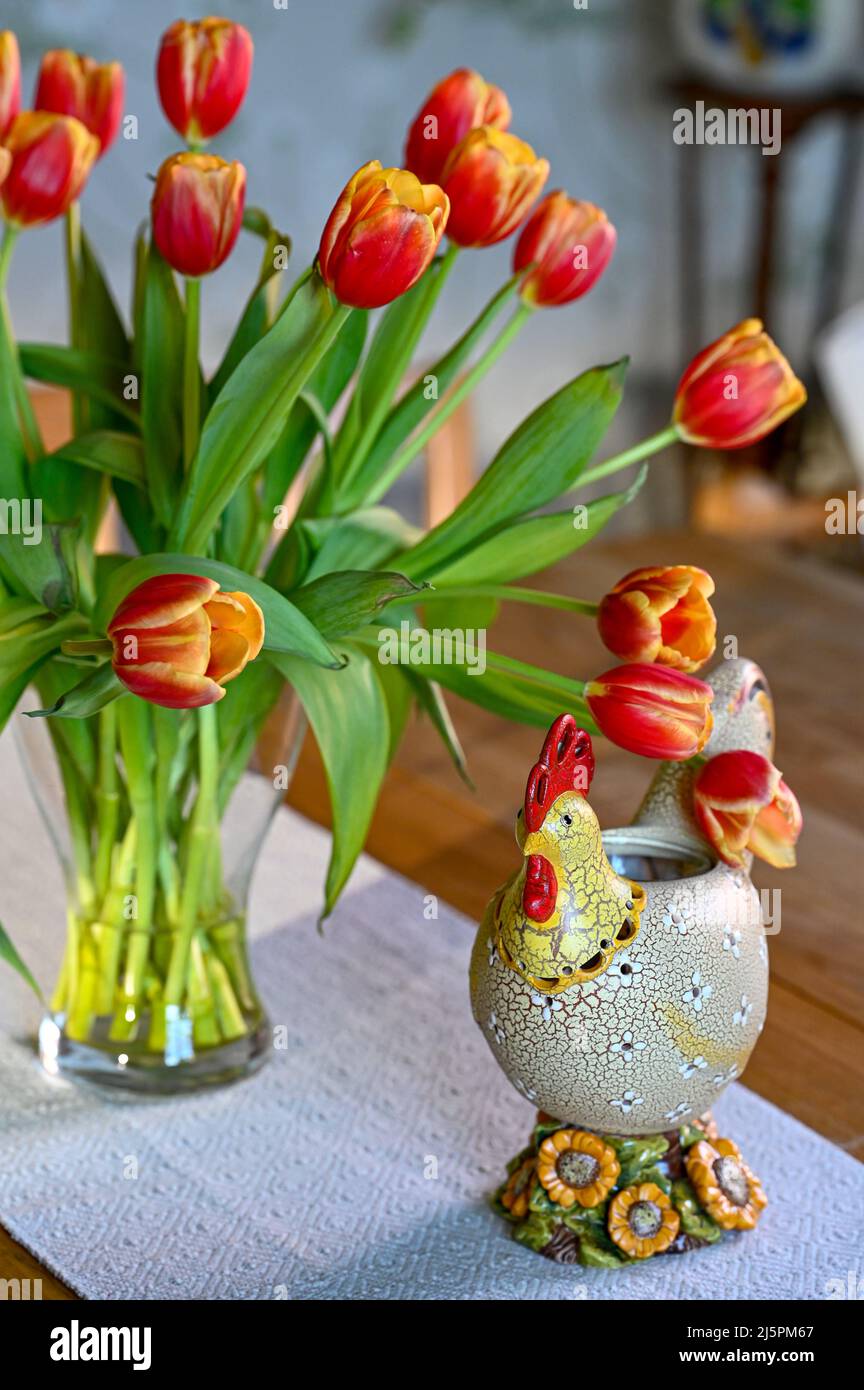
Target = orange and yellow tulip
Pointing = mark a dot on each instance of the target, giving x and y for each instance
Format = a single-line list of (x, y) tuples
[(51, 159), (456, 105), (202, 72), (10, 80), (652, 711), (660, 614), (569, 244), (197, 211), (736, 391), (742, 804), (178, 639), (492, 179), (71, 84), (381, 235)]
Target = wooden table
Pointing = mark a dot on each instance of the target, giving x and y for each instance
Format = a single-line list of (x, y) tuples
[(802, 622)]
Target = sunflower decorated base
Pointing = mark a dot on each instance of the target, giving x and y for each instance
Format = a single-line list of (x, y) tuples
[(606, 1200)]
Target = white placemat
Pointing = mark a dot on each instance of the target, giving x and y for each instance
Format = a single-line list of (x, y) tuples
[(358, 1162)]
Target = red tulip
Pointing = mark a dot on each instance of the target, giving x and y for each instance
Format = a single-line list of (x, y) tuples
[(197, 210), (203, 71), (742, 803), (660, 614), (458, 104), (492, 179), (178, 639), (73, 85), (570, 244), (10, 80), (381, 235), (652, 711), (51, 159), (736, 391), (5, 164)]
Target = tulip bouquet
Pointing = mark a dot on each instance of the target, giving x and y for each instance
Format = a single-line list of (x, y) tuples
[(265, 556)]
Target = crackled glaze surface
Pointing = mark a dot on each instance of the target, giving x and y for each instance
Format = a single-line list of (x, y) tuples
[(660, 1034), (672, 1019)]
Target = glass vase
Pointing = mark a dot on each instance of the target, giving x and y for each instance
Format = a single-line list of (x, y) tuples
[(158, 817)]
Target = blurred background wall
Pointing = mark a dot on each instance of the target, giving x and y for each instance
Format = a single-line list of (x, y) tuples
[(336, 83)]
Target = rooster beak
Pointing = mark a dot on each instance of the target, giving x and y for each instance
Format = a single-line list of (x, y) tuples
[(541, 889)]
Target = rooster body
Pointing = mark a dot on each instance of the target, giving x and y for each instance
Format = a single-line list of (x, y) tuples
[(615, 1003)]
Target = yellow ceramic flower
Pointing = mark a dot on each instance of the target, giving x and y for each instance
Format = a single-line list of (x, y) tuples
[(641, 1220), (728, 1191), (516, 1194), (577, 1167)]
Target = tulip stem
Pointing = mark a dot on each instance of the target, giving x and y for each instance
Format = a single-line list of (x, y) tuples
[(199, 844), (451, 402), (649, 446), (73, 282), (191, 373), (7, 246)]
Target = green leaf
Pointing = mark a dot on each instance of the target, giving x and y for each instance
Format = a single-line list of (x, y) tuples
[(537, 463), (13, 455), (97, 689), (247, 417), (258, 313), (326, 384), (390, 353), (414, 406), (348, 713), (512, 689), (535, 1231), (11, 956), (46, 570), (161, 354), (536, 543), (286, 628), (431, 699), (97, 376), (118, 454), (340, 602), (100, 329), (316, 545)]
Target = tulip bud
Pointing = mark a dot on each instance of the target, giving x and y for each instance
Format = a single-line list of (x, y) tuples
[(197, 211), (458, 104), (51, 159), (381, 235), (203, 71), (736, 391), (569, 243), (178, 639), (10, 80), (71, 84), (662, 615), (492, 179), (742, 803), (652, 711)]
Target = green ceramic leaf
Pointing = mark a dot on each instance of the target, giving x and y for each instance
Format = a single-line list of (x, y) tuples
[(694, 1221), (637, 1156), (11, 956), (535, 1231)]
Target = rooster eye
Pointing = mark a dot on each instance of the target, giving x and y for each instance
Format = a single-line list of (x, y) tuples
[(568, 820)]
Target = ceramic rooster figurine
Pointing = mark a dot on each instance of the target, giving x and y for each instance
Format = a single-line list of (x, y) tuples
[(620, 979)]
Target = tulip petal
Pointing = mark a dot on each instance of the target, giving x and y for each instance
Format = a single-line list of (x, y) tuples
[(229, 653), (238, 612), (164, 599), (161, 684)]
